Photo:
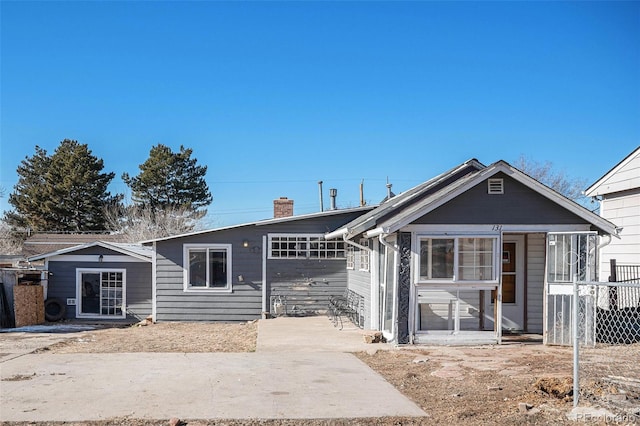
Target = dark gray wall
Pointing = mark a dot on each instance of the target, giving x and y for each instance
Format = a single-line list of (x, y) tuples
[(62, 284), (306, 284), (518, 205)]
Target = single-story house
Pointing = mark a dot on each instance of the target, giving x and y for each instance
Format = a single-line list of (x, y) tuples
[(457, 259), (470, 253)]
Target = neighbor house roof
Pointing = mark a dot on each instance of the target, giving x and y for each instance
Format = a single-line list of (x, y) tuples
[(607, 185), (422, 199), (267, 222), (42, 243), (134, 250)]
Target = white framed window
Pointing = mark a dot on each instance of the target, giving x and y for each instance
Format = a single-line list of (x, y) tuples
[(364, 256), (101, 292), (304, 246), (351, 257), (207, 267), (457, 259)]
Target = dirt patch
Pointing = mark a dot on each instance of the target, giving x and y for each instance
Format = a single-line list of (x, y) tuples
[(163, 337)]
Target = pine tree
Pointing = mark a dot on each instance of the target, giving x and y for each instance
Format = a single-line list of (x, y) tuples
[(170, 180), (62, 192)]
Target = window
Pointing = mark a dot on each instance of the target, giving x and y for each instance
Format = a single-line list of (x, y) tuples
[(436, 258), (364, 255), (351, 257), (457, 259), (304, 246), (207, 267), (475, 259)]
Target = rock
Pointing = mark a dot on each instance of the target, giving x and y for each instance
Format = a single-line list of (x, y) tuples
[(375, 337), (494, 388), (174, 421), (523, 407), (420, 360)]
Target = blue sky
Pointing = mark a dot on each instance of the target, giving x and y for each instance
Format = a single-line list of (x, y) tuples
[(275, 96)]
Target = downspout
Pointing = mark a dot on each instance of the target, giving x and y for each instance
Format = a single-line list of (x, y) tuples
[(604, 244), (353, 243)]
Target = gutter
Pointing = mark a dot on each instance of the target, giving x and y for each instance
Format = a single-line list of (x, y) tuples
[(338, 233)]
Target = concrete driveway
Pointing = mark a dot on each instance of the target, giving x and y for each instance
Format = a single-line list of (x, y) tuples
[(298, 371)]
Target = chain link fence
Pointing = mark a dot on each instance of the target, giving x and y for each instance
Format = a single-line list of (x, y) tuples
[(607, 354)]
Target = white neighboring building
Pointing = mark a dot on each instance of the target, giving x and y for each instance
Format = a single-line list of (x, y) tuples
[(619, 194)]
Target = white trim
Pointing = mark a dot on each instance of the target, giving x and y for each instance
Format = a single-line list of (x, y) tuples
[(308, 250), (99, 271), (374, 288), (415, 248), (185, 267), (95, 258), (495, 229), (364, 257), (592, 191), (136, 251)]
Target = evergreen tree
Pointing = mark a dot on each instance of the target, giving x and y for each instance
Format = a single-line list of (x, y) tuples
[(62, 192), (170, 180)]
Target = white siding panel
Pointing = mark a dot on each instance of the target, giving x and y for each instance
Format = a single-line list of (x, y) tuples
[(535, 282), (623, 210)]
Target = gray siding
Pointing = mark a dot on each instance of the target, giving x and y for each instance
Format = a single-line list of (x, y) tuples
[(535, 282), (360, 282), (518, 205), (62, 284), (307, 284)]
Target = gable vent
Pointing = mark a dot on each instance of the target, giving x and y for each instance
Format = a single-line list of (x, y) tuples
[(496, 186)]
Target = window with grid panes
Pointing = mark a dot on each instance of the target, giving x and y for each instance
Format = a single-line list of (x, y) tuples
[(304, 246)]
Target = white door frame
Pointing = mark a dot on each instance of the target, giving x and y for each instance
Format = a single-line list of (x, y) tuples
[(99, 271), (511, 314)]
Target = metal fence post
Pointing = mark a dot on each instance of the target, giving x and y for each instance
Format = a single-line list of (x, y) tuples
[(576, 343)]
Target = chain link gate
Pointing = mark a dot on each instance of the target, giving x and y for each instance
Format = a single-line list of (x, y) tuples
[(607, 348)]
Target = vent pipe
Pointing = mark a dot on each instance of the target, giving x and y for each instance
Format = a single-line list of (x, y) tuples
[(320, 190), (332, 193)]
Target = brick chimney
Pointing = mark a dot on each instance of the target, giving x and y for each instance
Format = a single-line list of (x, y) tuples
[(282, 207)]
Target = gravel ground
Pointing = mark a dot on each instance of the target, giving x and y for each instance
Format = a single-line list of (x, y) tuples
[(489, 385)]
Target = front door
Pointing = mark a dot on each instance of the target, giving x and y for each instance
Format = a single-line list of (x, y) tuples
[(512, 277)]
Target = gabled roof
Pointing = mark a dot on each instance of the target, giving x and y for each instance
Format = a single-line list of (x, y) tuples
[(267, 222), (134, 250), (606, 185), (392, 216), (364, 222)]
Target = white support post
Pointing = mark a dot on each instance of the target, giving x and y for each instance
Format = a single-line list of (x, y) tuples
[(576, 343)]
